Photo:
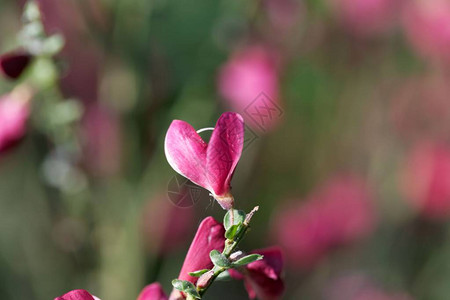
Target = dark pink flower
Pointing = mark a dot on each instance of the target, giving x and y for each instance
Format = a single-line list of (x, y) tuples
[(366, 17), (209, 165), (77, 295), (425, 179), (250, 72), (166, 226), (427, 26), (338, 213), (262, 278), (152, 291), (102, 140), (13, 64), (14, 112), (210, 236)]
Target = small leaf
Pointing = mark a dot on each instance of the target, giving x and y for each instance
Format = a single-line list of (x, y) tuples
[(198, 273), (182, 285), (247, 259), (224, 276), (31, 12), (238, 218), (193, 292), (231, 232), (219, 259)]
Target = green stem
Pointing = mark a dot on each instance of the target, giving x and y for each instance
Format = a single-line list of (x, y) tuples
[(230, 247)]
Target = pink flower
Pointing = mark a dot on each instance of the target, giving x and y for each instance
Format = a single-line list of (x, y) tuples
[(262, 278), (77, 295), (208, 165), (427, 26), (103, 140), (14, 112), (13, 64), (209, 236), (166, 226), (152, 291), (249, 73), (425, 179), (339, 213), (359, 287), (366, 17), (81, 53)]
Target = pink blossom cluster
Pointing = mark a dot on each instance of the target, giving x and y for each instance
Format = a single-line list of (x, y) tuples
[(338, 213)]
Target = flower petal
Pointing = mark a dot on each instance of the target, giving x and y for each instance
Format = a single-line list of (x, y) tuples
[(224, 151), (14, 112), (209, 236), (152, 291), (262, 278), (186, 152), (76, 295)]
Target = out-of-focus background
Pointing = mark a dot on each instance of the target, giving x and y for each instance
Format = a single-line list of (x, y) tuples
[(347, 151)]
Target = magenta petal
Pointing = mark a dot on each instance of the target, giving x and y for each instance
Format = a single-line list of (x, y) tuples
[(208, 165), (186, 152), (76, 295), (152, 291), (13, 64), (272, 264), (14, 114), (262, 278), (209, 236), (224, 150)]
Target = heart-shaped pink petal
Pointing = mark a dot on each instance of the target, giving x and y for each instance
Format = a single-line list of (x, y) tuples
[(208, 165)]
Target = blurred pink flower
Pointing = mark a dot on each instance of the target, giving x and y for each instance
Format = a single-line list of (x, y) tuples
[(359, 287), (249, 73), (166, 226), (262, 278), (366, 17), (420, 108), (339, 213), (427, 26), (152, 291), (14, 113), (210, 236), (82, 55), (211, 165), (77, 295), (425, 179), (13, 64), (102, 141)]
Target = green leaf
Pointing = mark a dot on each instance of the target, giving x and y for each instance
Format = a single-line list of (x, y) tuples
[(31, 12), (238, 216), (198, 273), (224, 276), (182, 285), (247, 259), (219, 259), (231, 232), (193, 292)]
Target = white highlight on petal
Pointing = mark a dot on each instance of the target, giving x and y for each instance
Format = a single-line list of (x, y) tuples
[(205, 129)]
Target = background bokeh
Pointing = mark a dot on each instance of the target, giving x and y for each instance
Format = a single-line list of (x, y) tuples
[(347, 151)]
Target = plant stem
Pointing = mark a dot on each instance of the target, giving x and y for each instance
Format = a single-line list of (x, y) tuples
[(230, 246)]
